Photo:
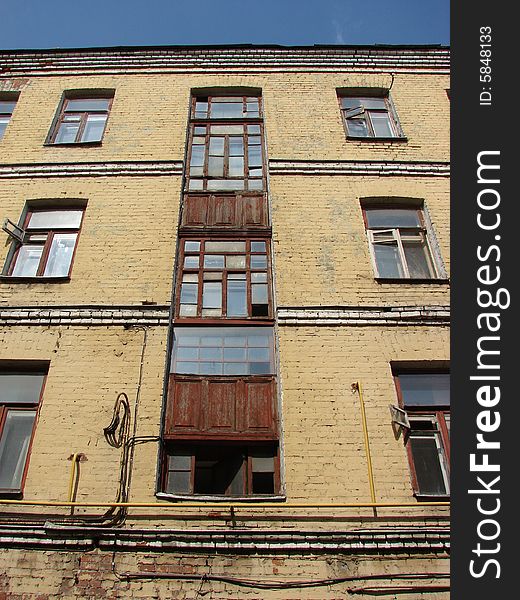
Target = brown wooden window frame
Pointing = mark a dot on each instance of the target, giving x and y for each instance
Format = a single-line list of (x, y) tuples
[(6, 113), (365, 114), (8, 407), (439, 417), (204, 273), (32, 236), (396, 236), (206, 123), (82, 115), (241, 449)]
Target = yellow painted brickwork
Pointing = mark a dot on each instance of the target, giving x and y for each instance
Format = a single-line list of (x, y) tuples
[(149, 115), (126, 247), (323, 437), (324, 455), (321, 249), (64, 576)]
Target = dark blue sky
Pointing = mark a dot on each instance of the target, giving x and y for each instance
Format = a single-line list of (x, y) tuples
[(74, 23)]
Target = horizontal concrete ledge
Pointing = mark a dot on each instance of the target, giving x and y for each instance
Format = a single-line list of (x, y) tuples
[(363, 316), (155, 315), (366, 168), (395, 540), (92, 169)]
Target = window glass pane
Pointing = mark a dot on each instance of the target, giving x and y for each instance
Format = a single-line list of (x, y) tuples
[(212, 294), (188, 353), (178, 482), (427, 465), (191, 262), (258, 261), (418, 259), (191, 246), (255, 156), (257, 246), (392, 217), (381, 124), (255, 184), (258, 277), (60, 255), (199, 130), (357, 127), (14, 445), (373, 103), (254, 140), (197, 155), (225, 247), (213, 354), (55, 219), (201, 108), (262, 461), (211, 276), (425, 389), (86, 105), (189, 293), (388, 261), (94, 128), (180, 461), (27, 261), (227, 129), (188, 310), (195, 184), (233, 340), (236, 298), (350, 103), (67, 133), (21, 388), (252, 109), (3, 125), (226, 110), (258, 354), (253, 129), (215, 166), (222, 184), (216, 146), (236, 166), (213, 261), (235, 262), (236, 146), (7, 106), (259, 293)]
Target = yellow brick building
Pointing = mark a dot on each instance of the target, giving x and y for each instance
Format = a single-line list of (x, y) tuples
[(224, 312)]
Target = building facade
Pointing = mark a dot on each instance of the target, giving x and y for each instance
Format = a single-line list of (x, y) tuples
[(224, 311)]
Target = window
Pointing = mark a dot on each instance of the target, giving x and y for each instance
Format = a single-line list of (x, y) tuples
[(45, 244), (369, 117), (7, 104), (81, 120), (226, 148), (426, 399), (222, 469), (19, 399), (223, 351), (399, 243), (224, 278)]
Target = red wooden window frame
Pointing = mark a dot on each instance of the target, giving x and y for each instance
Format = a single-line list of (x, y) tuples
[(389, 110), (439, 415), (242, 448), (201, 271), (5, 115), (422, 228), (83, 116), (200, 127), (50, 233), (21, 406)]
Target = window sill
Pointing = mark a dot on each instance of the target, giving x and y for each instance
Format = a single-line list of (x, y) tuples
[(405, 280), (14, 279), (377, 139), (224, 499), (72, 144), (431, 498), (11, 494)]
